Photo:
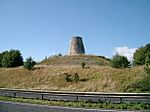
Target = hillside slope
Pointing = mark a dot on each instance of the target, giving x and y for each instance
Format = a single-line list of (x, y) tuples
[(95, 78)]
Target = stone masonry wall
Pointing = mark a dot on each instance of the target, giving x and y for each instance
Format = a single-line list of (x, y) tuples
[(76, 46)]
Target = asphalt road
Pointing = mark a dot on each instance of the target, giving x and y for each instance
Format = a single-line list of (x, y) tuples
[(24, 107)]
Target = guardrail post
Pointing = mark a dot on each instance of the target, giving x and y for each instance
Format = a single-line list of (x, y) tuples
[(77, 98), (121, 99), (14, 94), (42, 96)]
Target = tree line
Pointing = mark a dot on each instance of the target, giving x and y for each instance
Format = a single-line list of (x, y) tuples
[(140, 57), (13, 58)]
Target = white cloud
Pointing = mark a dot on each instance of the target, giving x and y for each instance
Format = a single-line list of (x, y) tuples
[(125, 51)]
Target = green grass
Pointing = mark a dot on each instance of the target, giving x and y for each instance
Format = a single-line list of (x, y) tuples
[(96, 105)]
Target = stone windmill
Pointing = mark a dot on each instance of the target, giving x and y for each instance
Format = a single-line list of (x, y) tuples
[(76, 46)]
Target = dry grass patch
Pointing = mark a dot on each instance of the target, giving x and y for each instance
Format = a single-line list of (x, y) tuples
[(95, 78), (76, 60)]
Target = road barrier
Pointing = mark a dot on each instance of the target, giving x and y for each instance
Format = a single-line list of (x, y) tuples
[(77, 96)]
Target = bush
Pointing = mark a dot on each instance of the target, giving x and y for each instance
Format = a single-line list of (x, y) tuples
[(83, 64), (71, 78), (29, 63), (67, 77), (76, 77), (119, 61), (147, 70), (11, 58), (141, 54), (142, 85)]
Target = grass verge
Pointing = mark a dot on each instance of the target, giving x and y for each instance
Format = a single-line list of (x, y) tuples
[(95, 105)]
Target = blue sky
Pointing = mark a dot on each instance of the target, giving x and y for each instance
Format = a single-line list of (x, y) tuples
[(40, 28)]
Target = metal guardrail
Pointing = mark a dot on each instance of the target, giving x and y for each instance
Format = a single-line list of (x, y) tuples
[(77, 96)]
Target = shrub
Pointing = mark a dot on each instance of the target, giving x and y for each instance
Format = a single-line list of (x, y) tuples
[(67, 77), (29, 63), (83, 64), (147, 70), (76, 77), (12, 58), (119, 61), (71, 78)]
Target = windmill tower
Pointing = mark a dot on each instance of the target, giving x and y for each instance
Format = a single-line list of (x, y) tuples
[(76, 46)]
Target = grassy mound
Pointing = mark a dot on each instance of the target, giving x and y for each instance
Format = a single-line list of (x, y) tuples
[(76, 60)]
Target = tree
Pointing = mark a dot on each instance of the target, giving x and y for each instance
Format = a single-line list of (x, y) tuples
[(141, 55), (119, 61), (1, 57), (29, 63), (147, 65), (59, 54), (12, 58), (1, 60), (147, 60)]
